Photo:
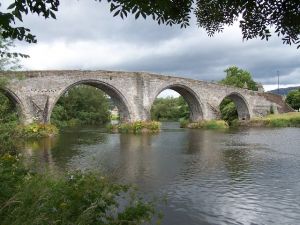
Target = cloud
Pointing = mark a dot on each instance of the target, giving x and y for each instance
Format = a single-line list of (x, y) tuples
[(87, 36)]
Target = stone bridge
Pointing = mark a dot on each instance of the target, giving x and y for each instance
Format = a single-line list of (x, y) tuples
[(36, 93)]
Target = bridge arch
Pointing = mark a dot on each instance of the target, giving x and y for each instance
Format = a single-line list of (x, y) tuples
[(16, 101), (117, 97), (191, 98), (241, 104)]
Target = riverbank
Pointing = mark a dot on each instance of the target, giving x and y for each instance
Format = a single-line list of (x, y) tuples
[(205, 124), (291, 119)]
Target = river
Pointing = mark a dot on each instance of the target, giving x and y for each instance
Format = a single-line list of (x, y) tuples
[(242, 176)]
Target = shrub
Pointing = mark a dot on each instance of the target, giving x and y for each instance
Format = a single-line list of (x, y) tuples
[(36, 130), (184, 123), (8, 138), (209, 124), (135, 127), (74, 198)]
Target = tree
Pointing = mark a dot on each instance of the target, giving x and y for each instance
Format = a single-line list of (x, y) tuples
[(293, 99), (238, 78), (170, 109), (256, 18), (82, 104), (8, 109), (8, 61)]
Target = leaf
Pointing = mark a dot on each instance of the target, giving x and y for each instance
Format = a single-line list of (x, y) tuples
[(135, 8), (137, 15), (13, 5), (117, 12), (52, 15), (144, 15)]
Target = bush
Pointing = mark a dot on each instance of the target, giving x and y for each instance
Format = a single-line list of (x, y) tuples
[(135, 127), (36, 130), (184, 123), (209, 124), (8, 138), (75, 198)]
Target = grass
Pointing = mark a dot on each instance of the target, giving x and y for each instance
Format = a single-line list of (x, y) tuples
[(135, 127), (291, 119), (183, 123), (205, 124)]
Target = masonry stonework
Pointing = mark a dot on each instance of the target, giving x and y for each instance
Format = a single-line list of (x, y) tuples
[(36, 93)]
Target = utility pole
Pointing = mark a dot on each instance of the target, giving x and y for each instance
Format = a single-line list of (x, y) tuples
[(278, 81)]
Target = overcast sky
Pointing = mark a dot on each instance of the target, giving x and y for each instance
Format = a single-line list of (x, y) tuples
[(85, 35)]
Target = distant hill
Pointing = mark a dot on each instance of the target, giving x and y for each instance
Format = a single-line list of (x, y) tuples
[(284, 91)]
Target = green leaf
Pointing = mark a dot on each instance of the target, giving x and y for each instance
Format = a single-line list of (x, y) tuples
[(52, 15), (13, 5)]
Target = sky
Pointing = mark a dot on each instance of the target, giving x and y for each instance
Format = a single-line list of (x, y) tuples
[(86, 36)]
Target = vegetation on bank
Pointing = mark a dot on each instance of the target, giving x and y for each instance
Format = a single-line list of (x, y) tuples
[(36, 130), (135, 127), (85, 198), (72, 198), (204, 124), (291, 119)]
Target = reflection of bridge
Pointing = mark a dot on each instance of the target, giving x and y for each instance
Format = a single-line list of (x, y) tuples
[(36, 92)]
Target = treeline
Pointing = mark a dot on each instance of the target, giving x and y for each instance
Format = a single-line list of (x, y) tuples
[(82, 105), (170, 109)]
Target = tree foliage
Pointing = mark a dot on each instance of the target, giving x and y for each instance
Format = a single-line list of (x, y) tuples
[(293, 99), (8, 110), (171, 109), (8, 60), (240, 78), (228, 110), (66, 198), (235, 77), (82, 104), (256, 18)]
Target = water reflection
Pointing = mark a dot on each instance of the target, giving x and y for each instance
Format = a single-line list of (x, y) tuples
[(209, 177)]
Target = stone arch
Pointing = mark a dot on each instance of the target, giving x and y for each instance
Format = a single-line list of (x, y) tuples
[(241, 103), (192, 99), (117, 97), (16, 100)]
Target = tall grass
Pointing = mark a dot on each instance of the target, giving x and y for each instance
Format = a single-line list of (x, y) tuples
[(135, 127), (73, 198), (209, 124), (277, 120)]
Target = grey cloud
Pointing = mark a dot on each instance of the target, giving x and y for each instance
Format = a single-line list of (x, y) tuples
[(196, 55), (82, 20)]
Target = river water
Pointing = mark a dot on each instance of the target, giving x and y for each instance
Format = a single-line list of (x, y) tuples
[(244, 176)]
